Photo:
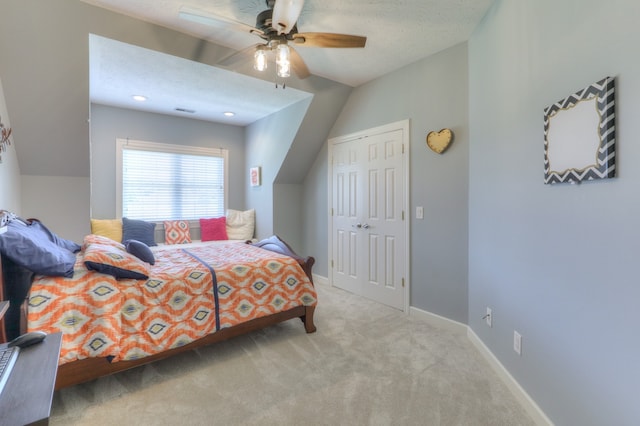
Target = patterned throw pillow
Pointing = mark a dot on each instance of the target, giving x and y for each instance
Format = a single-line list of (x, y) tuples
[(176, 232), (110, 228), (213, 229), (99, 239), (115, 261)]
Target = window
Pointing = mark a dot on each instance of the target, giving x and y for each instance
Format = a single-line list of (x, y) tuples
[(159, 181)]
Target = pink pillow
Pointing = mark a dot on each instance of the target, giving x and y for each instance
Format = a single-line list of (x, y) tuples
[(213, 229)]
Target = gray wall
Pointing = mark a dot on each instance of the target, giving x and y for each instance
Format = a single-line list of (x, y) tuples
[(45, 56), (287, 218), (557, 263), (109, 123), (9, 167), (291, 219), (315, 210), (45, 70), (41, 198), (432, 93), (267, 141)]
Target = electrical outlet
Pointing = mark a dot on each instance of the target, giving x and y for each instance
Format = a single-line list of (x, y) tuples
[(517, 342), (489, 317)]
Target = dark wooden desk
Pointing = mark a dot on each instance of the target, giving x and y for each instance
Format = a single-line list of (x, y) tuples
[(26, 399)]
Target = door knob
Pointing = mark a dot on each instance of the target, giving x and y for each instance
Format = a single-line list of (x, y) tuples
[(357, 225), (365, 226)]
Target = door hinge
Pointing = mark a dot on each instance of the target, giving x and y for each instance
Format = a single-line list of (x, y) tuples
[(332, 263), (402, 214), (403, 282), (331, 211)]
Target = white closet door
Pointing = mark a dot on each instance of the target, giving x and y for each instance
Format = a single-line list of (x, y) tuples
[(368, 229)]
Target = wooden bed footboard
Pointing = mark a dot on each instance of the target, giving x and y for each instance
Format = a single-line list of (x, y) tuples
[(80, 371), (87, 369), (276, 244)]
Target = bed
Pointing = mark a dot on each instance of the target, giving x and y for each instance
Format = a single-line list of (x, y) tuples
[(192, 295)]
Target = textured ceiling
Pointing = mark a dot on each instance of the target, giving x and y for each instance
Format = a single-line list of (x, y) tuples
[(177, 86), (398, 32)]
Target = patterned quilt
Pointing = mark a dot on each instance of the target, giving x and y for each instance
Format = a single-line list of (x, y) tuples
[(191, 291)]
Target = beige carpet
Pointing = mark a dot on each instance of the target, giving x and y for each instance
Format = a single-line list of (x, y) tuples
[(366, 365)]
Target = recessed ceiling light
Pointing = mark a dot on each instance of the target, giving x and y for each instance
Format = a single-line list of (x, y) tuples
[(139, 98), (229, 114)]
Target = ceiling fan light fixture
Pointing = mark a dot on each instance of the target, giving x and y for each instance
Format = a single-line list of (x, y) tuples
[(260, 60), (285, 15), (283, 60)]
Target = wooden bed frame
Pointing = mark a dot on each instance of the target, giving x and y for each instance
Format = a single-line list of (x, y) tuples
[(87, 369)]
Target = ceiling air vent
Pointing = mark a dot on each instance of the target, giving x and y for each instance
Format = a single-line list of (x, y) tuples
[(190, 111)]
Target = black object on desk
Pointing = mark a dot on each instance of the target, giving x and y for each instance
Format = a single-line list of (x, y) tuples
[(26, 398), (28, 339)]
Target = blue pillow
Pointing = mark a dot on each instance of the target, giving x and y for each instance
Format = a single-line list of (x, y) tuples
[(139, 230), (140, 250), (60, 242), (31, 248)]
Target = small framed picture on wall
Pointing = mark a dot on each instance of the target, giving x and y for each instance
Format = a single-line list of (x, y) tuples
[(254, 176)]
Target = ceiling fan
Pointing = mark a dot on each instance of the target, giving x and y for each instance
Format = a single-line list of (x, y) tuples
[(277, 27)]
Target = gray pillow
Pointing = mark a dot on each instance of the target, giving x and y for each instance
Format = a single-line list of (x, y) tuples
[(140, 250), (139, 230), (53, 237), (30, 247)]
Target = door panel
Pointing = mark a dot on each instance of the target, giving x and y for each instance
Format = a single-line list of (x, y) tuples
[(375, 195), (346, 205)]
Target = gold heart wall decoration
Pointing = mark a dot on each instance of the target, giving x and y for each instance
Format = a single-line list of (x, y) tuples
[(439, 141)]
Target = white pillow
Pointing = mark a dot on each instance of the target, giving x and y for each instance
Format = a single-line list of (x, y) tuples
[(241, 224)]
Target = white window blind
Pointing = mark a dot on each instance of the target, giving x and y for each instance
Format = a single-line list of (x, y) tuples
[(162, 182)]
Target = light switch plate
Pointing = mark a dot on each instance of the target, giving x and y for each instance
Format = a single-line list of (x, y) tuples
[(517, 342), (419, 212)]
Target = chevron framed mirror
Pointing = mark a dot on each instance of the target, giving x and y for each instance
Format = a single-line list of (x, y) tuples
[(579, 135)]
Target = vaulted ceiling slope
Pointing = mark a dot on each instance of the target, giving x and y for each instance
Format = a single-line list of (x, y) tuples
[(399, 32), (44, 48), (45, 69), (178, 86)]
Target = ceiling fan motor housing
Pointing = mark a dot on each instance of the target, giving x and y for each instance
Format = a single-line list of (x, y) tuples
[(263, 23), (286, 31)]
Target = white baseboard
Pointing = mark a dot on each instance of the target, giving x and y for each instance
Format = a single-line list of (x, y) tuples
[(319, 279), (539, 417), (438, 320)]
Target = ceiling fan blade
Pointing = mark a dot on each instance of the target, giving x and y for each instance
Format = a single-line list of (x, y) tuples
[(298, 65), (214, 20), (328, 40), (285, 15), (239, 56)]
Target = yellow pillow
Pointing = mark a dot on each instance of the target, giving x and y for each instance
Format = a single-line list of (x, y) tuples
[(110, 228)]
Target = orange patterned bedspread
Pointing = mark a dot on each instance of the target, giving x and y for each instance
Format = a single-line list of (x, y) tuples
[(180, 302)]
